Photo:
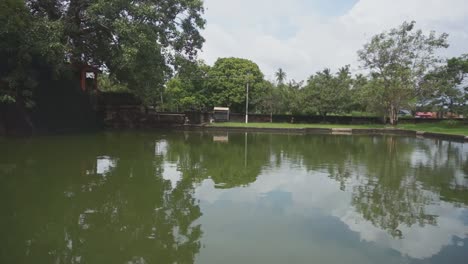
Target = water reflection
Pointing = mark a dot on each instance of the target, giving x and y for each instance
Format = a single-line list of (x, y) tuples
[(58, 208), (146, 197)]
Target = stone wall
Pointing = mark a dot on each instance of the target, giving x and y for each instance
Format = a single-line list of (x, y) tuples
[(131, 116)]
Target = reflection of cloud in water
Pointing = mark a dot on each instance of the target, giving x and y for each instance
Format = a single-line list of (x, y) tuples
[(104, 164), (171, 174), (314, 190), (417, 242), (439, 154), (160, 148)]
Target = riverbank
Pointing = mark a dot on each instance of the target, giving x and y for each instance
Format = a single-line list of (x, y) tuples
[(439, 131), (457, 129)]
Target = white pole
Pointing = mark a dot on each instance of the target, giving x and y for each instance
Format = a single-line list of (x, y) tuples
[(245, 150), (247, 105)]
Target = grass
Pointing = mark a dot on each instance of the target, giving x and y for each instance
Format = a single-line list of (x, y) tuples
[(455, 129), (458, 129)]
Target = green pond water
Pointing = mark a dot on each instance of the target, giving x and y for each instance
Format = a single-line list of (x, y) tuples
[(189, 197)]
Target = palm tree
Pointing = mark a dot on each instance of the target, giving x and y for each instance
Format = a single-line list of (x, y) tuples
[(280, 76)]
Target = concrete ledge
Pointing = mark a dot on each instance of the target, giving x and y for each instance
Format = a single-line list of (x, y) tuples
[(445, 136), (249, 129), (334, 131), (366, 131), (342, 129), (313, 130), (393, 131)]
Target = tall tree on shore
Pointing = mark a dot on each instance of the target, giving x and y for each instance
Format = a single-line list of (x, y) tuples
[(136, 42), (280, 76), (29, 47), (227, 81), (446, 86), (188, 90), (326, 92), (400, 58)]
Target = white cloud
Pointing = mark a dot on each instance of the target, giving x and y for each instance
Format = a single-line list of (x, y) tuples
[(312, 190), (298, 37)]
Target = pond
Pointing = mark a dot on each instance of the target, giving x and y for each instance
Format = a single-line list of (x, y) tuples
[(193, 197)]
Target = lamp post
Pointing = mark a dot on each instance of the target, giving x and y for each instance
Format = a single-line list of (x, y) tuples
[(247, 104)]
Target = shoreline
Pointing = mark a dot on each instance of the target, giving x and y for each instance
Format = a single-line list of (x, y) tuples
[(332, 131), (296, 130)]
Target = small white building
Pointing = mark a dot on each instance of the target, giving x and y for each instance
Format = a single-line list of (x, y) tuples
[(221, 114)]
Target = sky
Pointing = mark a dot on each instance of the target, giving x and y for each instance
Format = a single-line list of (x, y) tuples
[(306, 36)]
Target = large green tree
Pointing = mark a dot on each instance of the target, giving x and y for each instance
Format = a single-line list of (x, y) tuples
[(280, 76), (188, 89), (227, 82), (326, 92), (399, 59), (136, 41), (446, 89), (30, 47)]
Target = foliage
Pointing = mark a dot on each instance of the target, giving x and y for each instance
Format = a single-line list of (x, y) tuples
[(445, 86), (280, 76), (228, 79), (328, 93), (268, 99), (290, 99), (398, 60), (108, 83), (187, 90), (150, 49), (30, 48), (135, 43)]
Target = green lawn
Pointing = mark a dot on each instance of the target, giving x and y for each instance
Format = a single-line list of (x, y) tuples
[(438, 128), (457, 129)]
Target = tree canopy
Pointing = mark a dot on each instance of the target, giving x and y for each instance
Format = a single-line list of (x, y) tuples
[(400, 59), (328, 93), (149, 48), (136, 42), (227, 82)]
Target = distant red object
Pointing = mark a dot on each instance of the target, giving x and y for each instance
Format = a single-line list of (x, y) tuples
[(84, 70), (424, 115)]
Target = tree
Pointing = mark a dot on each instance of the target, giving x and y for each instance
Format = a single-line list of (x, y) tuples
[(269, 100), (30, 48), (291, 97), (359, 83), (400, 59), (227, 81), (370, 93), (188, 89), (108, 83), (328, 93), (280, 76), (136, 42), (445, 86)]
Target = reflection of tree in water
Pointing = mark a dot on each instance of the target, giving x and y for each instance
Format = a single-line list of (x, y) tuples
[(228, 164), (390, 195), (58, 209), (444, 170), (387, 189)]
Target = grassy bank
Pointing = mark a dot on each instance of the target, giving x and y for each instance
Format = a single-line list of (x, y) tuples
[(446, 128)]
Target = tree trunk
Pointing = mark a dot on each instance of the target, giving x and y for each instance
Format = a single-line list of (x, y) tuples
[(393, 114), (162, 102)]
